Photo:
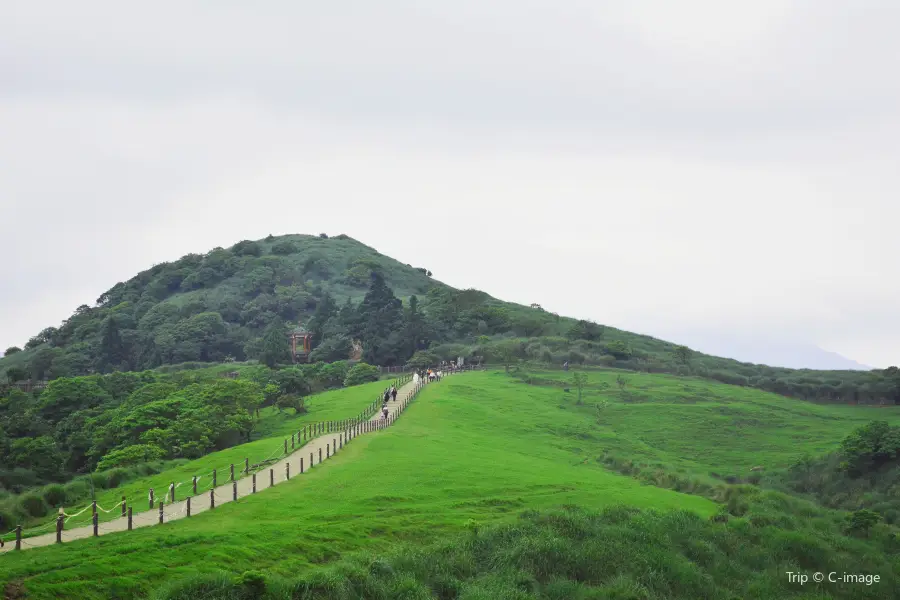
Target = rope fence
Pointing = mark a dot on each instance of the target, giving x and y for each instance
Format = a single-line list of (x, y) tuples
[(206, 498)]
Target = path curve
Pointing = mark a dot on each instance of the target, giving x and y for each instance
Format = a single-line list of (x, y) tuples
[(225, 493)]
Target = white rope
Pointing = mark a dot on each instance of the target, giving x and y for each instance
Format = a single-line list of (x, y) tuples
[(113, 508), (76, 514)]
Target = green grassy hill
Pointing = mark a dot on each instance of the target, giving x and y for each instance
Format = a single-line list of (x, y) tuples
[(475, 451), (216, 306)]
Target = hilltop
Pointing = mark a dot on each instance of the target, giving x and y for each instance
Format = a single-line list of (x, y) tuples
[(218, 306)]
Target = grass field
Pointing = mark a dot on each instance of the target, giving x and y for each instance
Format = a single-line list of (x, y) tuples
[(471, 447), (479, 449), (273, 428), (702, 427)]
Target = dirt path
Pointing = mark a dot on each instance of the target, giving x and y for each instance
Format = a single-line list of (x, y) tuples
[(312, 453)]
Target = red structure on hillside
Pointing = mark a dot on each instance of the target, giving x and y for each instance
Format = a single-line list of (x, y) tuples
[(300, 344)]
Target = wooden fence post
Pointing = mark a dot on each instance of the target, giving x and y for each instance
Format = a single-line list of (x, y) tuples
[(124, 504), (172, 499), (195, 485), (292, 441), (18, 537), (327, 450), (320, 455), (59, 528), (212, 498), (287, 471), (188, 506), (310, 460), (285, 445), (271, 477), (246, 466), (234, 491), (232, 472), (94, 507), (341, 438), (161, 511), (254, 483), (301, 465), (129, 518), (334, 446), (214, 478)]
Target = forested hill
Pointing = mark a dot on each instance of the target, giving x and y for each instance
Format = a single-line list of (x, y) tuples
[(219, 306)]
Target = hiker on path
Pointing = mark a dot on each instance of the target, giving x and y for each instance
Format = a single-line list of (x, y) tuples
[(394, 393), (384, 412), (387, 395)]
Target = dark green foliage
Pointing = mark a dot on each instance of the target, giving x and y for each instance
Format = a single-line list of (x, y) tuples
[(275, 347), (574, 554), (361, 373), (871, 446), (585, 330), (862, 521), (423, 359)]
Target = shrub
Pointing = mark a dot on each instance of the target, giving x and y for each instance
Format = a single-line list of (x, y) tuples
[(361, 373), (77, 489), (116, 477), (55, 495), (33, 505)]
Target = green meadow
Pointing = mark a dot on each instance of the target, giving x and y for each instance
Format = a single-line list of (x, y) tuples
[(473, 494), (273, 428)]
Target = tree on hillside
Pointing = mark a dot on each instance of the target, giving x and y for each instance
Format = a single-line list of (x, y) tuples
[(381, 324), (422, 359), (870, 447), (12, 350), (275, 345), (683, 355), (579, 380), (508, 353), (361, 373), (14, 374), (585, 330)]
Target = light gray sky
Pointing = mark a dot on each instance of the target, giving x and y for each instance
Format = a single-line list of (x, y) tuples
[(673, 168)]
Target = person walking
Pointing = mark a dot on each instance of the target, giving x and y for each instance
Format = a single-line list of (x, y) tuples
[(394, 393)]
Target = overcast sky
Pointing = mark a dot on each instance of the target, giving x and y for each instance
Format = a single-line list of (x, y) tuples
[(673, 168)]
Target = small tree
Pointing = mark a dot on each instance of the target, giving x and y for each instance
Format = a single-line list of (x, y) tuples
[(862, 521), (275, 346), (579, 380), (683, 355), (422, 359), (12, 350), (507, 352), (621, 381), (291, 401)]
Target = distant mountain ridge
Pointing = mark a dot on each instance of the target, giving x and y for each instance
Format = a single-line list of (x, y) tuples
[(772, 352)]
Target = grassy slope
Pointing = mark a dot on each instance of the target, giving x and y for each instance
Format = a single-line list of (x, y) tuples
[(331, 405), (472, 447), (698, 426)]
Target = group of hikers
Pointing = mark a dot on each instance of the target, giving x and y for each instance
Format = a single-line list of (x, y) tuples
[(388, 395), (391, 392)]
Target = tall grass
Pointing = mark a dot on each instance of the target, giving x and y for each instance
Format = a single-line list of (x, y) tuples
[(575, 554)]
